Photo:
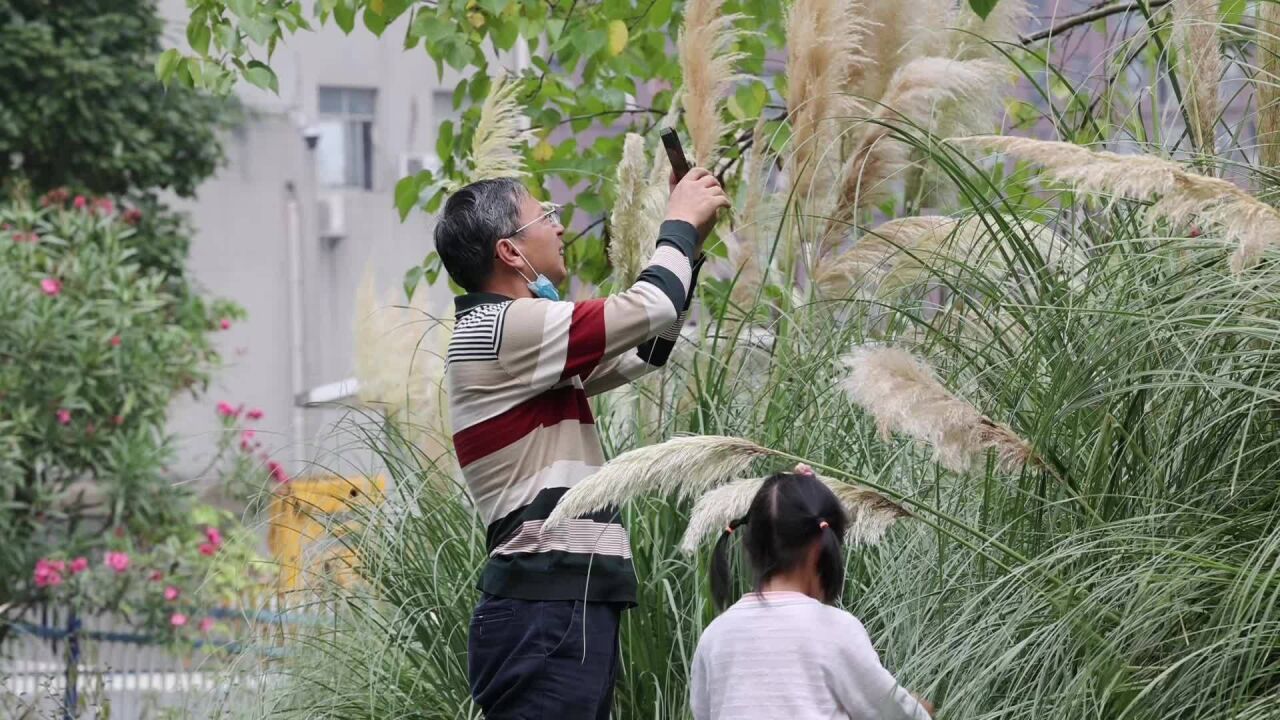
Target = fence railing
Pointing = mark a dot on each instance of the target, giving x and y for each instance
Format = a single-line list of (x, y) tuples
[(56, 664)]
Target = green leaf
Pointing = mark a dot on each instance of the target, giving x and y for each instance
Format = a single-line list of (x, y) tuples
[(344, 13), (198, 36), (228, 37), (412, 277), (166, 64), (374, 21), (983, 7), (407, 192), (660, 13), (259, 30), (444, 139), (261, 75), (242, 8), (1233, 12)]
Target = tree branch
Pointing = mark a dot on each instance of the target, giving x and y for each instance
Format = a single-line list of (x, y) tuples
[(1091, 15)]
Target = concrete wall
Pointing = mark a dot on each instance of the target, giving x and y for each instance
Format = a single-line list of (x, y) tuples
[(241, 246)]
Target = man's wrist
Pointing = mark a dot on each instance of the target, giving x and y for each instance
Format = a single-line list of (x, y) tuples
[(681, 235)]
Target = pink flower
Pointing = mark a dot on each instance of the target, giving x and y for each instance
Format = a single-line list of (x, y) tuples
[(64, 416), (30, 237), (278, 473), (80, 202), (205, 625), (48, 573), (79, 565), (246, 440), (105, 205), (117, 561), (254, 414), (132, 216), (208, 549), (225, 409), (51, 286), (224, 323), (117, 420), (171, 593), (156, 576), (115, 341), (213, 535), (177, 619)]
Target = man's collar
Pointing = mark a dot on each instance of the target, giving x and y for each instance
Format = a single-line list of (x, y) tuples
[(470, 301)]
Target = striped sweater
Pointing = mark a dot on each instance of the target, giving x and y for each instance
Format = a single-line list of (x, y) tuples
[(519, 373)]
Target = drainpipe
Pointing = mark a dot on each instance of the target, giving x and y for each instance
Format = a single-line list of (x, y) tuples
[(293, 230)]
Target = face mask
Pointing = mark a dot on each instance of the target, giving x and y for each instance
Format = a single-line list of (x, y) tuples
[(540, 286)]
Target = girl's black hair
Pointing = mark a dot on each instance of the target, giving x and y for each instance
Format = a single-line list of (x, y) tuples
[(787, 515)]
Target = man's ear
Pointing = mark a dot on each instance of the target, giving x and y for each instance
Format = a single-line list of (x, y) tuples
[(506, 254)]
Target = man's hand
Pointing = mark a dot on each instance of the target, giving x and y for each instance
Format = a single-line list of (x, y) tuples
[(696, 200)]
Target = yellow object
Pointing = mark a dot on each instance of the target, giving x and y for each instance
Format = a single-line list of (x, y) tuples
[(542, 152), (309, 517), (618, 36)]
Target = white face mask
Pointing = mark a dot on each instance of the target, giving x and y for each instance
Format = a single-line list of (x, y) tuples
[(540, 286)]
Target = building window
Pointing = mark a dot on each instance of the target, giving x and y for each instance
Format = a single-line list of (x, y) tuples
[(345, 150)]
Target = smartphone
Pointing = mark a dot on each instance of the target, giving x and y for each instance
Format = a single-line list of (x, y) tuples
[(675, 152)]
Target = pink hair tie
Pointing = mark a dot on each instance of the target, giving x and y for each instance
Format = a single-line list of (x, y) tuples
[(822, 525), (728, 529)]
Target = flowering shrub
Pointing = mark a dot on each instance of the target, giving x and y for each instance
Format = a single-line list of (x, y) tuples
[(246, 468), (101, 329), (166, 589)]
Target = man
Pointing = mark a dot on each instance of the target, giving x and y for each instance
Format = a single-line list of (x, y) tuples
[(520, 367)]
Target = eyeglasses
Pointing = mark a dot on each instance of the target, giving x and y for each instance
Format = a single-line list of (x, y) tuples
[(552, 214)]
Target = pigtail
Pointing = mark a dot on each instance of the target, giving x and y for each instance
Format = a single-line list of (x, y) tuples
[(831, 564), (721, 567)]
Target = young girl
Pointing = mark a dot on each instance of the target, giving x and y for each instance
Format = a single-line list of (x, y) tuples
[(782, 652)]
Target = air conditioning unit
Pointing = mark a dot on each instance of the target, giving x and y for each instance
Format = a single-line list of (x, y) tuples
[(331, 217), (414, 163)]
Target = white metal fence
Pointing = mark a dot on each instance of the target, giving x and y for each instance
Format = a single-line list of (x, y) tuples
[(55, 665)]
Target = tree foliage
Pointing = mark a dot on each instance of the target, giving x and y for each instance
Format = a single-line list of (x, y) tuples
[(80, 105)]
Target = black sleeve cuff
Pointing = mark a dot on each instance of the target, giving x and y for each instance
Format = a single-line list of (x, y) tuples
[(679, 234), (693, 281)]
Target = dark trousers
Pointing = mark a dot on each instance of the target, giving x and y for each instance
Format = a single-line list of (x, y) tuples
[(543, 660)]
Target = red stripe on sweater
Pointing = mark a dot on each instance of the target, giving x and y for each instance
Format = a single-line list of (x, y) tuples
[(549, 408), (586, 339)]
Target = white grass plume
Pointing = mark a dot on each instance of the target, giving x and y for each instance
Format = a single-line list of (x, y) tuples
[(682, 466), (495, 145), (744, 242), (870, 513), (1178, 196), (932, 93), (974, 36), (399, 363), (631, 228), (1195, 35), (1267, 81), (707, 61), (860, 269), (902, 393), (824, 48)]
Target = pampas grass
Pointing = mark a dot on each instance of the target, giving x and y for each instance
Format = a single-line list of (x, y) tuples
[(683, 466), (824, 49), (902, 393), (707, 61), (1267, 81), (495, 145), (932, 93), (399, 363), (1177, 196), (1195, 35), (637, 214), (861, 268), (870, 513)]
